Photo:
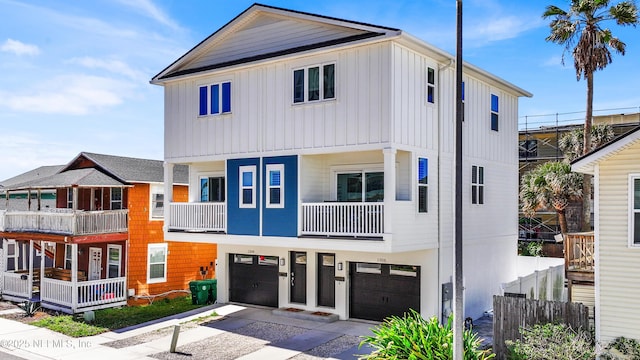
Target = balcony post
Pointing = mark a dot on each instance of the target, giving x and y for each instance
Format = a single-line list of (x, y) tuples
[(168, 193), (389, 187), (74, 277), (30, 267)]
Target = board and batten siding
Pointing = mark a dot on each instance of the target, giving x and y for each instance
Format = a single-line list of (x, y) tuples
[(618, 264), (263, 117)]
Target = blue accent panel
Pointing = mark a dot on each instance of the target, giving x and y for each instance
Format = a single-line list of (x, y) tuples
[(226, 97), (241, 221), (282, 222), (494, 103), (215, 99), (203, 100)]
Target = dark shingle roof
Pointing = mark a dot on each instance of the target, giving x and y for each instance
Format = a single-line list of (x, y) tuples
[(37, 173), (89, 177)]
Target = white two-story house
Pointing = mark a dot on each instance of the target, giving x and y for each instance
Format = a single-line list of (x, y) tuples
[(321, 160)]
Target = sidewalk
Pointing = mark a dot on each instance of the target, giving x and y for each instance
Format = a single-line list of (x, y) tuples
[(241, 333)]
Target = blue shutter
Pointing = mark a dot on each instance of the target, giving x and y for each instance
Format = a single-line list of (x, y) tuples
[(215, 99), (226, 97), (203, 100)]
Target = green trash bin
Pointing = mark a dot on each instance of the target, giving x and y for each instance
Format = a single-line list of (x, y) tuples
[(213, 290), (200, 290)]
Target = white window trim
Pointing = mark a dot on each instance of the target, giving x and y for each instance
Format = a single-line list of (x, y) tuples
[(280, 168), (321, 83), (350, 169), (68, 256), (208, 85), (119, 248), (207, 175), (478, 185), (164, 247), (111, 201), (252, 170), (632, 211), (16, 253), (417, 179), (431, 85), (69, 198), (497, 113), (156, 189)]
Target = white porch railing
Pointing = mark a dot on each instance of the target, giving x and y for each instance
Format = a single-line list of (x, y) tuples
[(63, 221), (17, 284), (205, 216), (343, 219), (90, 293)]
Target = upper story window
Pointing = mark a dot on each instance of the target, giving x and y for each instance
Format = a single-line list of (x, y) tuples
[(431, 85), (423, 185), (494, 112), (360, 186), (248, 186), (157, 201), (116, 198), (275, 185), (314, 83), (70, 198), (634, 213), (215, 99), (212, 189), (477, 184)]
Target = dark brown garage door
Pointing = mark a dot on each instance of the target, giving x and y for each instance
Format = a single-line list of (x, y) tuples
[(253, 279), (381, 290)]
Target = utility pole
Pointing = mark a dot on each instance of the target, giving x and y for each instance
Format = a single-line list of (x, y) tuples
[(458, 291)]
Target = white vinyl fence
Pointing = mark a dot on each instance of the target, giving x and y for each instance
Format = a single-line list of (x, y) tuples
[(547, 284)]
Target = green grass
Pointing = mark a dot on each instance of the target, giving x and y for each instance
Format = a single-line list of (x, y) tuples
[(112, 319)]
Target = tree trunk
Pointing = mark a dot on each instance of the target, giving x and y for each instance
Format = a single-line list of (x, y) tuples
[(562, 219), (586, 183)]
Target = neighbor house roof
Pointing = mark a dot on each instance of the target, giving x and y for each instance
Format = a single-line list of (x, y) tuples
[(89, 177), (37, 173), (586, 163)]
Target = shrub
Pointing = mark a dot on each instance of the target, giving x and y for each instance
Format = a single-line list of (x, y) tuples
[(552, 341), (621, 348), (412, 337), (30, 308)]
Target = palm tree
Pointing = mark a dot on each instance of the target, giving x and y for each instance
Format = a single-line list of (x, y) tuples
[(550, 186), (581, 26), (572, 143)]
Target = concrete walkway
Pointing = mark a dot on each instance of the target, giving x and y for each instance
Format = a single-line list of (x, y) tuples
[(241, 333)]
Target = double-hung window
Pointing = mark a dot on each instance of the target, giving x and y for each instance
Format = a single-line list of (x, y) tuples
[(477, 184), (275, 185), (494, 112), (157, 201), (360, 186), (634, 210), (114, 261), (12, 255), (423, 185), (156, 263), (116, 198), (314, 83), (431, 85), (212, 189), (248, 186), (70, 198), (215, 99)]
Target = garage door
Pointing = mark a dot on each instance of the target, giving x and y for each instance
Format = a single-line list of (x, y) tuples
[(381, 290), (253, 279)]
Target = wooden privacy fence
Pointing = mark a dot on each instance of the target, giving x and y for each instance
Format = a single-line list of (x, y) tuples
[(510, 314)]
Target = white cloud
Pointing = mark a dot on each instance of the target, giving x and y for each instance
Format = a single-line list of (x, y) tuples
[(149, 9), (69, 95), (500, 28), (113, 66), (23, 152), (19, 48), (556, 61)]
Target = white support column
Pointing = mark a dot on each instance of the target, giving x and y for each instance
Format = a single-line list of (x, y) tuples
[(5, 257), (31, 267), (389, 187), (74, 276), (39, 200), (168, 192), (75, 199)]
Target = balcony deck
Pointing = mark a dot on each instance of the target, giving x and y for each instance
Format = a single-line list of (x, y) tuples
[(65, 221), (579, 250)]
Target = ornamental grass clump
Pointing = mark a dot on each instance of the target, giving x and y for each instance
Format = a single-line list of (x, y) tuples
[(552, 342), (414, 338)]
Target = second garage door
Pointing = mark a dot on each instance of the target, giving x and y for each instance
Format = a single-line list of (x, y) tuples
[(381, 290)]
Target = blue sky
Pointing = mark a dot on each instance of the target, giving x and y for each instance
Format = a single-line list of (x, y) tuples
[(74, 75)]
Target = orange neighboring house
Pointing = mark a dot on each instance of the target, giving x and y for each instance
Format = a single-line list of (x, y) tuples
[(103, 242)]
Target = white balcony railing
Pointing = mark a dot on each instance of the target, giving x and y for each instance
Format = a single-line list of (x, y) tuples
[(343, 219), (17, 284), (206, 216), (64, 221)]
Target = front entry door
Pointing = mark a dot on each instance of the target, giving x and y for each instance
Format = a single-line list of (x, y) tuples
[(95, 263), (298, 277), (326, 280)]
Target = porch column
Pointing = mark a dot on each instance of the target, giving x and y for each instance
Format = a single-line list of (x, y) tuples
[(168, 192), (31, 266), (75, 198), (29, 200), (74, 275), (389, 187), (6, 200), (39, 202), (5, 257)]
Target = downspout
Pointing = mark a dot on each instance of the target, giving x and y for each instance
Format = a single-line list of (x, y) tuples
[(441, 70)]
